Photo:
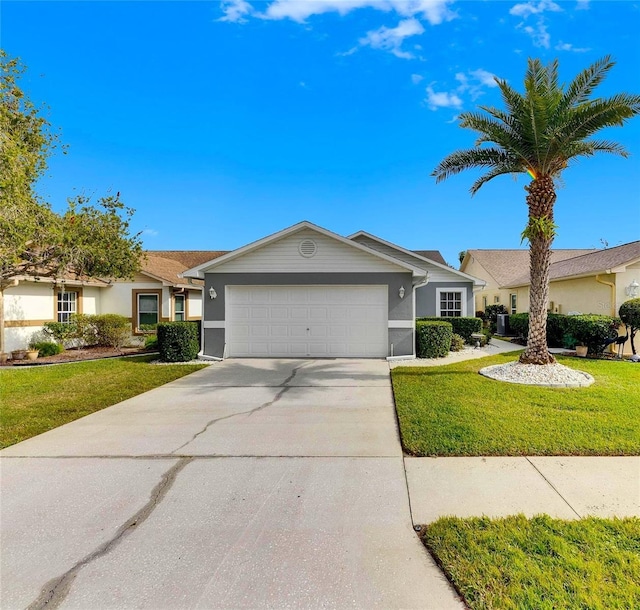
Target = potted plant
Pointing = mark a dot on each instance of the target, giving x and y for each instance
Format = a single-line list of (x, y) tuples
[(581, 350), (18, 354), (3, 357), (32, 354)]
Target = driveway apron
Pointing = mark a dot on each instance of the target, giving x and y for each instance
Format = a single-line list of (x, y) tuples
[(248, 484)]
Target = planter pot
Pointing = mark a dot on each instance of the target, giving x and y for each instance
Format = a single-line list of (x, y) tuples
[(18, 354), (581, 350), (3, 357), (32, 354)]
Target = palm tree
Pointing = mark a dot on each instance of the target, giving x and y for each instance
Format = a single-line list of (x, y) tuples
[(540, 133)]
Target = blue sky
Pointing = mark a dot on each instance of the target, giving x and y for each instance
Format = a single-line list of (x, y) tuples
[(222, 122)]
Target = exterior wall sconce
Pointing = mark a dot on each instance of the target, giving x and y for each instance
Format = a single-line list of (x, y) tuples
[(401, 292), (632, 289), (212, 293)]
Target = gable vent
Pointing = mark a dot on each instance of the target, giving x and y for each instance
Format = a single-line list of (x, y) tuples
[(307, 248)]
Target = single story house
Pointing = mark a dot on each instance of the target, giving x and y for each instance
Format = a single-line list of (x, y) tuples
[(499, 269), (308, 292), (580, 281), (157, 293)]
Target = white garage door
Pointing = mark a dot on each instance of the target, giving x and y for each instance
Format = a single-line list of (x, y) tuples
[(301, 321)]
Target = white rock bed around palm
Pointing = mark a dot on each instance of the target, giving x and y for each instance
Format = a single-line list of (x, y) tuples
[(549, 375)]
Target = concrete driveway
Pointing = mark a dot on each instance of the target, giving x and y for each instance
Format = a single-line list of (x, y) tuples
[(249, 484)]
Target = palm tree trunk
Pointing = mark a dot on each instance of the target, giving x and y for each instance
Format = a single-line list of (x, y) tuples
[(540, 233)]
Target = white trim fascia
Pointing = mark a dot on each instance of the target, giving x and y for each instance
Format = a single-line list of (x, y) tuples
[(476, 281), (400, 358), (400, 324), (198, 272), (462, 289), (213, 324)]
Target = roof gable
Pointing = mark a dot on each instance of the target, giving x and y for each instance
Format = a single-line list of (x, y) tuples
[(507, 266), (437, 271), (279, 253)]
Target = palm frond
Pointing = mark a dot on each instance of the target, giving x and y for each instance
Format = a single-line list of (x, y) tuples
[(497, 171), (582, 86), (475, 157)]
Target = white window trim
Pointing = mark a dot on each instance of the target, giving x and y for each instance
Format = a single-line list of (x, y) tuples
[(512, 309), (60, 301), (461, 289)]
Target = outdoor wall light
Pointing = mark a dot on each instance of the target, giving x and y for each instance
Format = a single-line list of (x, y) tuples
[(212, 293), (632, 289), (401, 292)]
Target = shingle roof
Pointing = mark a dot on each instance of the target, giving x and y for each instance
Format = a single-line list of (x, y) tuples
[(595, 262), (167, 264), (507, 266), (432, 255)]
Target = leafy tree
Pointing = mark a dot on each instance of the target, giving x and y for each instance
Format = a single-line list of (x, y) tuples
[(85, 241), (629, 313), (541, 132)]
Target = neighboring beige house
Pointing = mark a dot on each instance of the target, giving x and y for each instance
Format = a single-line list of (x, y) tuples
[(580, 281), (500, 269), (157, 294)]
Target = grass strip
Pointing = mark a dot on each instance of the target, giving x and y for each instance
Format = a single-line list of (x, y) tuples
[(453, 411), (515, 563), (34, 400)]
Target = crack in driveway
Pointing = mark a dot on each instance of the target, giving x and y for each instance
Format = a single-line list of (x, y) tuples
[(56, 590), (284, 388)]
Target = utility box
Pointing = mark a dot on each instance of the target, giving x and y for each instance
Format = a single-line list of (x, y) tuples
[(503, 324)]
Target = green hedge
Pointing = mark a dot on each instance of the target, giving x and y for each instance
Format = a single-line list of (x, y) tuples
[(592, 330), (111, 330), (433, 338), (178, 341), (47, 348), (464, 327), (557, 327)]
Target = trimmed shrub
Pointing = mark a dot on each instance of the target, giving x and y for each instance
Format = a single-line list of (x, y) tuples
[(110, 329), (592, 330), (433, 338), (59, 331), (84, 331), (464, 327), (178, 341), (491, 314), (557, 327), (629, 313), (519, 325), (47, 348), (487, 335), (457, 343), (151, 342)]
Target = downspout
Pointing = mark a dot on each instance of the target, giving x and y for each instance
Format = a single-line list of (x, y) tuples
[(613, 299), (613, 292)]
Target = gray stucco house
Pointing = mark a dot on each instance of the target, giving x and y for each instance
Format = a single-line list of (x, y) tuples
[(308, 292)]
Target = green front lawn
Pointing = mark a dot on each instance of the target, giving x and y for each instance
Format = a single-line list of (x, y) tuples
[(542, 563), (34, 400), (452, 410)]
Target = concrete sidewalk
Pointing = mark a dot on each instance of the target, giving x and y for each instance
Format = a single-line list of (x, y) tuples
[(562, 487)]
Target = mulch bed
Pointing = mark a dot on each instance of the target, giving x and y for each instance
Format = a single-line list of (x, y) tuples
[(77, 355)]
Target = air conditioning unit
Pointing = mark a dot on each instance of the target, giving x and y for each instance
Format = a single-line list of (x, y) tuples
[(502, 324)]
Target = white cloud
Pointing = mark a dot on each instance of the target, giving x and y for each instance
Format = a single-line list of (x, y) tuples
[(539, 34), (526, 9), (416, 78), (442, 99), (583, 5), (485, 78), (150, 232), (235, 11), (433, 11), (567, 46), (391, 39)]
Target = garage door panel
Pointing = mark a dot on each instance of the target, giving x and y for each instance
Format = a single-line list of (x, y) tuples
[(299, 321)]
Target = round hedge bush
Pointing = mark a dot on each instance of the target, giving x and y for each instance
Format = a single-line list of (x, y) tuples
[(433, 339)]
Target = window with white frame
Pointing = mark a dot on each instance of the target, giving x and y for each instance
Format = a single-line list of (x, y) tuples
[(451, 302), (67, 305), (179, 310), (513, 299), (147, 309)]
